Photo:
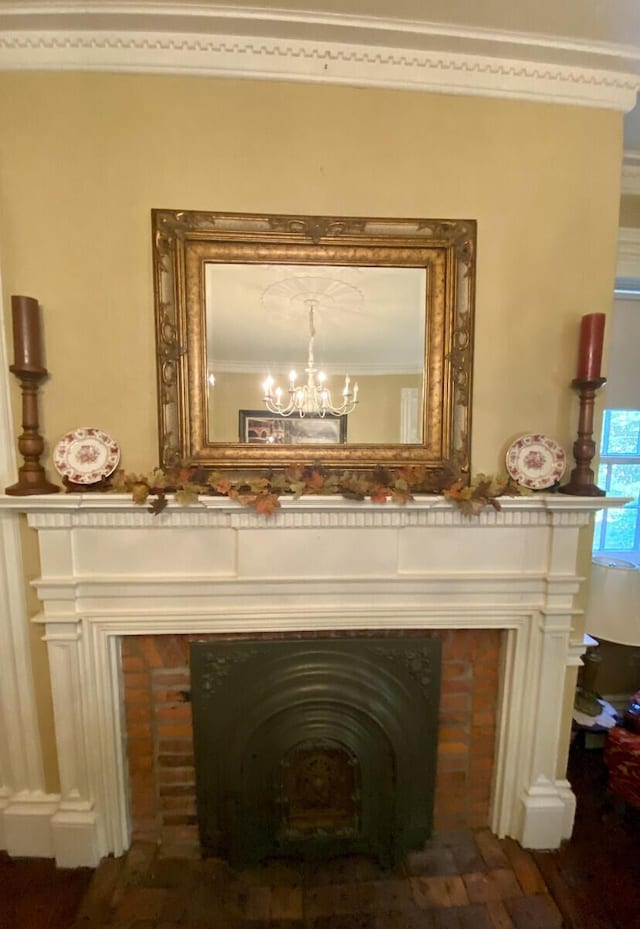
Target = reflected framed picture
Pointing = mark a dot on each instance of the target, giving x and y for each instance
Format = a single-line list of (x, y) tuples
[(259, 427)]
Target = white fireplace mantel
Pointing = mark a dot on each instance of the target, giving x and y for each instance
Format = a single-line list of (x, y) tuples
[(109, 569)]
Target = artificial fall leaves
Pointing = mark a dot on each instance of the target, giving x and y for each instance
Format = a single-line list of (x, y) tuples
[(482, 492), (263, 492)]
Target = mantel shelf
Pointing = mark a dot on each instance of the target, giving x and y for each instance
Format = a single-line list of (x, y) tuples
[(106, 502), (118, 510)]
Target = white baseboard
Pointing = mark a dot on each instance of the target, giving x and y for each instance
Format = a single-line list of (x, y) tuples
[(75, 839), (569, 799), (547, 815), (25, 824), (36, 825)]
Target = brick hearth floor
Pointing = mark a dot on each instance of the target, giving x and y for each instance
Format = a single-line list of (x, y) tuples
[(461, 880)]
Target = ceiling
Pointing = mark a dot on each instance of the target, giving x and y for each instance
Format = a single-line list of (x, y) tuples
[(573, 51)]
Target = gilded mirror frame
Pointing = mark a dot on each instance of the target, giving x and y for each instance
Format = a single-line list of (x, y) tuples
[(185, 241)]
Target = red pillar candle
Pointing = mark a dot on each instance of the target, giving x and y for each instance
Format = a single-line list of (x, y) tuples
[(590, 350), (27, 335)]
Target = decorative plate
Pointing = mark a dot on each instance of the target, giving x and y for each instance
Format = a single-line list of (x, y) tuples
[(536, 461), (86, 456)]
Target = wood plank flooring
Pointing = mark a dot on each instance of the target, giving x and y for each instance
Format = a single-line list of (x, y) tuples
[(464, 880), (34, 894), (595, 878)]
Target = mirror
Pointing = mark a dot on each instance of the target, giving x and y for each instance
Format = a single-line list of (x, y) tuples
[(300, 339), (368, 325)]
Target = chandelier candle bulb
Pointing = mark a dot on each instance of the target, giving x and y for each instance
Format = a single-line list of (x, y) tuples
[(590, 349), (27, 335)]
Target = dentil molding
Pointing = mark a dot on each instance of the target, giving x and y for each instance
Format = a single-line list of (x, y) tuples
[(236, 41)]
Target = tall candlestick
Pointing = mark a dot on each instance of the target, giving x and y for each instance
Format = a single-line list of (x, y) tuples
[(581, 482), (31, 475), (590, 349), (29, 368)]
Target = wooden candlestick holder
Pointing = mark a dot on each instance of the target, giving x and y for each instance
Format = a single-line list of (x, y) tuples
[(31, 476), (581, 483)]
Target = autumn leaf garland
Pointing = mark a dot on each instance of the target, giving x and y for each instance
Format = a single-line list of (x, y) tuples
[(483, 491), (262, 492)]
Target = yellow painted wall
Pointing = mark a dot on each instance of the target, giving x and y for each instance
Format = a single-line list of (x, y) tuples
[(85, 157)]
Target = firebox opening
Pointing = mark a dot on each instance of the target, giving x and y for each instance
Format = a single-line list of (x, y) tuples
[(313, 748)]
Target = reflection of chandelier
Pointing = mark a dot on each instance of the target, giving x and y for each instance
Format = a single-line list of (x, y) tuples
[(314, 397)]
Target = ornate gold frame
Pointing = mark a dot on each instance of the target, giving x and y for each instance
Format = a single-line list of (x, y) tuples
[(184, 241)]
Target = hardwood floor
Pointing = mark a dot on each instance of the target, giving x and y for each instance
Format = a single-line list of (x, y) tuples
[(463, 881), (34, 894), (595, 878)]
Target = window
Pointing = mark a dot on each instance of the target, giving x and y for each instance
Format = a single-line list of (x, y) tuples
[(617, 532)]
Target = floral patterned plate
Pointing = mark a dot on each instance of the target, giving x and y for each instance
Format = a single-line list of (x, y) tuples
[(536, 461), (86, 456)]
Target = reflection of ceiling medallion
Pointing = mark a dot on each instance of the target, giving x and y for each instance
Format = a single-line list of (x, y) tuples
[(329, 293), (314, 397)]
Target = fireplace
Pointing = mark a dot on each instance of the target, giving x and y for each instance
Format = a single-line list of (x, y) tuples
[(113, 574), (158, 696)]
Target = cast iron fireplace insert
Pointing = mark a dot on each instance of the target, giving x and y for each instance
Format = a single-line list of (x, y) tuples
[(311, 748)]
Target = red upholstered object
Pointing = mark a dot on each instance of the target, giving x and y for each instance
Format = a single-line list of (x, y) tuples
[(622, 757)]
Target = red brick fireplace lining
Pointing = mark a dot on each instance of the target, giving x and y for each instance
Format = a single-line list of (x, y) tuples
[(157, 693)]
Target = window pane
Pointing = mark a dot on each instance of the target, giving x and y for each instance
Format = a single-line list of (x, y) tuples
[(621, 434), (620, 530), (603, 476), (624, 481)]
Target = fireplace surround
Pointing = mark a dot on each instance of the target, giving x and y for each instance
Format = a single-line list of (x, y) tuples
[(110, 570), (158, 693)]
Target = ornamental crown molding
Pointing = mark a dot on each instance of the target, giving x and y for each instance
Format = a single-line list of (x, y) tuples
[(259, 43)]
